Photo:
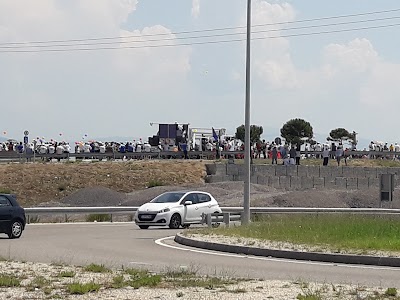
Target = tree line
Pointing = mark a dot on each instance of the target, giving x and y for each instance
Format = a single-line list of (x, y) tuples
[(296, 132)]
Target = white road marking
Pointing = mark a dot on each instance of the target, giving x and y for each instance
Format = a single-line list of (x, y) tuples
[(161, 243)]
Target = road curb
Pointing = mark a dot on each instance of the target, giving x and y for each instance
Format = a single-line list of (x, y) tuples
[(309, 256)]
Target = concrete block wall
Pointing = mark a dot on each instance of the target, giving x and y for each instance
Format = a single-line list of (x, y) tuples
[(303, 177)]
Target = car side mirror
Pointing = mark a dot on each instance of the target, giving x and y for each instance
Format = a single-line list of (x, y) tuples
[(188, 203)]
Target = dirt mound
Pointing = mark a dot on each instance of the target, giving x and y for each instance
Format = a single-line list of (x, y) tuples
[(94, 197), (125, 183), (229, 194), (36, 183)]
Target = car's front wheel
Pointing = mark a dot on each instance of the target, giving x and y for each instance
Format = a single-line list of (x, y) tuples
[(175, 221), (143, 226), (15, 230)]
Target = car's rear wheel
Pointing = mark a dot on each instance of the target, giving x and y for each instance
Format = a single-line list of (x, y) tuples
[(15, 230), (175, 221), (143, 226)]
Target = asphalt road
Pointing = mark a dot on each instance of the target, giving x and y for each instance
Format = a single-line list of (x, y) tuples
[(123, 244)]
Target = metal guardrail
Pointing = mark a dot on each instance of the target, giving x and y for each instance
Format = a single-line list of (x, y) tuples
[(114, 155), (229, 214), (312, 210), (80, 210), (166, 154)]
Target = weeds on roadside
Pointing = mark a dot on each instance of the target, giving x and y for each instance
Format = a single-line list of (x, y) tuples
[(9, 281), (67, 274), (39, 282), (98, 218), (5, 190), (95, 268), (77, 288), (154, 183), (391, 292)]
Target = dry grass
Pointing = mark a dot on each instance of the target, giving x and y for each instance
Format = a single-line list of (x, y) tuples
[(42, 182)]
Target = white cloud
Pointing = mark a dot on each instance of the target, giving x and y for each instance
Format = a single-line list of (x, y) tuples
[(347, 84), (195, 8), (381, 90), (357, 56), (273, 62), (86, 89)]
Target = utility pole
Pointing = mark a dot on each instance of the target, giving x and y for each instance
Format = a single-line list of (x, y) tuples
[(247, 148)]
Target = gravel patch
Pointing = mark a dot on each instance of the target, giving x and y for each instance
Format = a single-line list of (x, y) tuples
[(55, 287), (94, 196), (228, 194)]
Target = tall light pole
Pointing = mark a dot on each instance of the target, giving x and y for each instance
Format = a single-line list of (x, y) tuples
[(247, 148)]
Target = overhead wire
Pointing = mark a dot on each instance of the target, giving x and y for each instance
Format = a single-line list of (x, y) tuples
[(202, 43), (207, 30), (92, 43), (201, 36)]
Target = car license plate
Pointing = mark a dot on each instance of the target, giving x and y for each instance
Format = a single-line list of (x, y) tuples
[(146, 217)]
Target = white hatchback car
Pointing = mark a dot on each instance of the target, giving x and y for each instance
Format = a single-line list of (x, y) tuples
[(175, 209)]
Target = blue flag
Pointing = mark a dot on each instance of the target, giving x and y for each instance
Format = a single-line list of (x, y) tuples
[(214, 134)]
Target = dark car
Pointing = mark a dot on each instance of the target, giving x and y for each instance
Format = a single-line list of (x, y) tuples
[(12, 216)]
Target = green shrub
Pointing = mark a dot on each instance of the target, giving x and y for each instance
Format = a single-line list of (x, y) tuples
[(154, 183), (5, 191), (38, 282), (118, 282), (77, 288), (147, 280), (67, 274), (98, 218), (9, 281), (96, 268), (391, 292)]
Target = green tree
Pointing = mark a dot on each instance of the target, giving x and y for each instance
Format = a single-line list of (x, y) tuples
[(296, 130), (340, 135), (255, 133)]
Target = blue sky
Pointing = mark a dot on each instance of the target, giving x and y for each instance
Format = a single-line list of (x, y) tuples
[(345, 79)]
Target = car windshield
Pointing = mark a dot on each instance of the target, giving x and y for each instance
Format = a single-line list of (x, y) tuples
[(168, 197)]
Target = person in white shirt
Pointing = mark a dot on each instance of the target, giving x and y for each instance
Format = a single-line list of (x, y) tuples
[(52, 149), (139, 147), (86, 148), (147, 147), (59, 150), (42, 149), (318, 148), (67, 148), (102, 148)]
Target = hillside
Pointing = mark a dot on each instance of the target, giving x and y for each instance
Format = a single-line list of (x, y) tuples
[(43, 182), (128, 183)]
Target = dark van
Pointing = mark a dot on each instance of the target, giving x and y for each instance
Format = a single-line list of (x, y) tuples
[(12, 216)]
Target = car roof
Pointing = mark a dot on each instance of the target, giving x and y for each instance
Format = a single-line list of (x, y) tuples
[(187, 191)]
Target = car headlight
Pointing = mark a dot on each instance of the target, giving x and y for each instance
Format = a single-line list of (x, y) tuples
[(164, 210)]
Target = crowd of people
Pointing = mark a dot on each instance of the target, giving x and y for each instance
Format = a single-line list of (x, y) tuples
[(287, 154)]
